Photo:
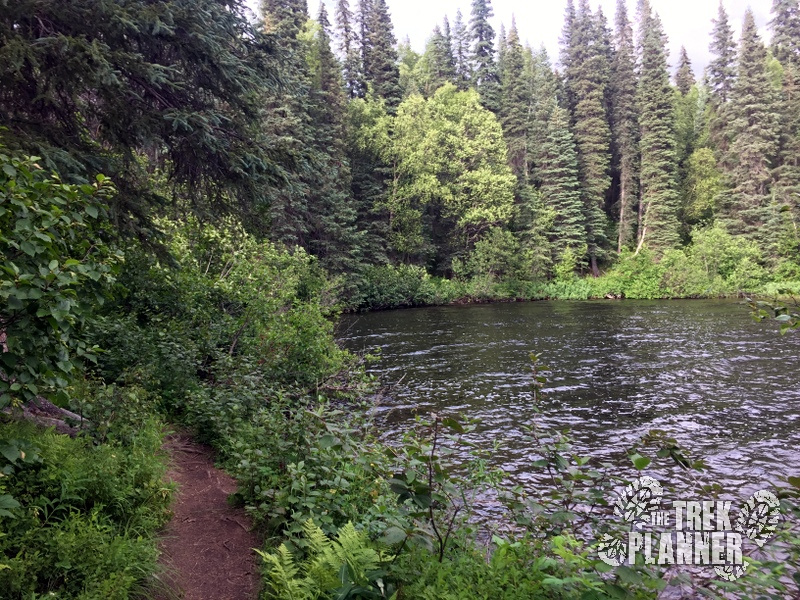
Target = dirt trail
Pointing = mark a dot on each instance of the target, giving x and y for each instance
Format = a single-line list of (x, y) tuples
[(207, 547)]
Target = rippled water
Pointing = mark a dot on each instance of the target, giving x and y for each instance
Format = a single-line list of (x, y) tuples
[(726, 387)]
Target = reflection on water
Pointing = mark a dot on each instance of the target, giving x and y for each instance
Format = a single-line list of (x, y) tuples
[(723, 385)]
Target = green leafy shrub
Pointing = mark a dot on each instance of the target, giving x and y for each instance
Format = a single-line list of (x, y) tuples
[(518, 570), (224, 295), (636, 276), (497, 255), (54, 263)]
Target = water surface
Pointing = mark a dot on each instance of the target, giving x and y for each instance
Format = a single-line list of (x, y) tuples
[(704, 371)]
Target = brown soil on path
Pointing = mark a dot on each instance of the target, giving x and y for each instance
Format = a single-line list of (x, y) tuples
[(207, 546)]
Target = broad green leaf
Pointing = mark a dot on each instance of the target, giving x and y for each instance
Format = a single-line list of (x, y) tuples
[(393, 535), (639, 461)]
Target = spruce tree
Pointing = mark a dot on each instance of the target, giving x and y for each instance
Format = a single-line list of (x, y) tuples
[(753, 127), (447, 51), (684, 77), (502, 48), (787, 173), (560, 185), (604, 50), (515, 104), (348, 49), (625, 129), (484, 70), (436, 65), (461, 52), (380, 55), (288, 122), (332, 216), (569, 53), (587, 77), (363, 20), (659, 194), (543, 90), (125, 88), (367, 141), (785, 25), (722, 69)]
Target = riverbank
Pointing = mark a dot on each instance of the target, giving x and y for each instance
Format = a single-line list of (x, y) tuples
[(391, 287)]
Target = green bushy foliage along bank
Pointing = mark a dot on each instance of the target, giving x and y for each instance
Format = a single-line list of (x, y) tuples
[(714, 265)]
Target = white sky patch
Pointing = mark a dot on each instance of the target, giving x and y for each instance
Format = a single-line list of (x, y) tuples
[(686, 22)]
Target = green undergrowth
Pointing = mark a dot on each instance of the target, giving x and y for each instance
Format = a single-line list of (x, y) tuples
[(80, 516), (714, 265)]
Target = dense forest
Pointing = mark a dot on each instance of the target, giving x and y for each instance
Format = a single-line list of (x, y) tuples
[(189, 198), (482, 160)]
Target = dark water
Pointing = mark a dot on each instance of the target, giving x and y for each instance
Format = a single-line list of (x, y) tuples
[(726, 387)]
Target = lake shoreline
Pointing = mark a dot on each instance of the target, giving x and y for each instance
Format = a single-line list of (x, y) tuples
[(477, 301)]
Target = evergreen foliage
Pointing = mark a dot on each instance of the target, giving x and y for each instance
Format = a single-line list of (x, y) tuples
[(436, 66), (348, 49), (722, 69), (587, 78), (753, 131), (684, 77), (461, 52), (126, 88), (785, 25), (560, 186), (515, 105), (625, 129), (485, 78), (659, 194), (380, 68)]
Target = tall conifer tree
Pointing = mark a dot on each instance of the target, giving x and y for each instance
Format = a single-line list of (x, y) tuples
[(436, 65), (785, 25), (560, 185), (659, 194), (484, 69), (722, 69), (380, 55), (348, 48), (461, 52), (515, 104), (684, 77), (587, 79), (753, 127), (332, 235), (625, 128)]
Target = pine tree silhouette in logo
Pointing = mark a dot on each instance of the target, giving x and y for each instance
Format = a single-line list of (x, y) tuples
[(611, 550), (640, 498), (758, 520), (633, 505)]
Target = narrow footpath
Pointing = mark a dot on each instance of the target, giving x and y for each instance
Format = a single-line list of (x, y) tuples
[(207, 548)]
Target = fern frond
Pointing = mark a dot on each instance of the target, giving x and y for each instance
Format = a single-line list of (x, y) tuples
[(318, 542), (284, 583)]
